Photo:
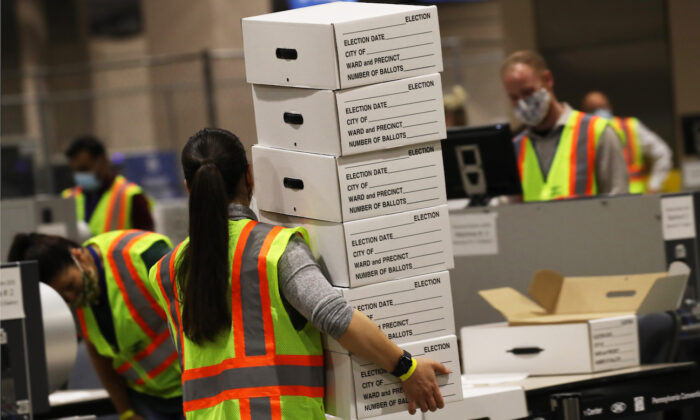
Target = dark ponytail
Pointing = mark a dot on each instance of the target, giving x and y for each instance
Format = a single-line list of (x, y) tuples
[(214, 164)]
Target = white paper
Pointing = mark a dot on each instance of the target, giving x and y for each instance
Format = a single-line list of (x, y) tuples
[(474, 234), (678, 217), (11, 304), (691, 174)]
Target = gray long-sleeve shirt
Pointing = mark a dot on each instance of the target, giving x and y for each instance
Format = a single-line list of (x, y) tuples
[(304, 286), (611, 170)]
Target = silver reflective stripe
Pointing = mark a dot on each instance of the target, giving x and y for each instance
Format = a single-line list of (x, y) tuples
[(253, 327), (168, 288), (582, 156), (117, 204), (138, 300), (260, 408), (517, 142), (131, 375), (158, 356), (253, 377)]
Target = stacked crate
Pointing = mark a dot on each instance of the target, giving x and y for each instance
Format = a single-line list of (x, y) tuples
[(349, 114)]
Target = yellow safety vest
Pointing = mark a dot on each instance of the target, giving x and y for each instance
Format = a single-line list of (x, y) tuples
[(145, 355), (627, 130), (572, 173), (262, 368), (113, 211)]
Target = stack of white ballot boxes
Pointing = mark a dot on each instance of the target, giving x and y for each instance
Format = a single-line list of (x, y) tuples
[(349, 114)]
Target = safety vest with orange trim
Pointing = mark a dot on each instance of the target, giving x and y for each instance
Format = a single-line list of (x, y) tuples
[(572, 173), (144, 355), (113, 211), (262, 368), (627, 130)]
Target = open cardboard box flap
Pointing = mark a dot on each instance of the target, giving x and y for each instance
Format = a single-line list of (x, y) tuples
[(558, 299)]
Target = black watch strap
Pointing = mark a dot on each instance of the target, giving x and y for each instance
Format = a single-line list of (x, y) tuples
[(403, 365)]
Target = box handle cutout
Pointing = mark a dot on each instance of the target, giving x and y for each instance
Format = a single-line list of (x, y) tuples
[(286, 53), (292, 118), (519, 351), (621, 293), (293, 183)]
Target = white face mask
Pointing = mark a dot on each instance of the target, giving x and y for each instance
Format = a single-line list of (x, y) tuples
[(532, 110)]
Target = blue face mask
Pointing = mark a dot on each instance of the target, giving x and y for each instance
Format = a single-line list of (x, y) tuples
[(604, 113), (86, 180)]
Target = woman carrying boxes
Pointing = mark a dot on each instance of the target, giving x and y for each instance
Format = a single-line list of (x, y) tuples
[(246, 301)]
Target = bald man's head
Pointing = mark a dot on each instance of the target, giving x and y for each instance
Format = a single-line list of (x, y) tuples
[(594, 100)]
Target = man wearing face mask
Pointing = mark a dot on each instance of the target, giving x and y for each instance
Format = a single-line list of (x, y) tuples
[(126, 333), (645, 152), (104, 200), (562, 153)]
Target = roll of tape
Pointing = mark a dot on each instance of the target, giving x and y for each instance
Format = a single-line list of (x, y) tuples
[(60, 336)]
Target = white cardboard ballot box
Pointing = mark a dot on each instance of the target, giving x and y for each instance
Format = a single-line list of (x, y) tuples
[(487, 402), (409, 309), (378, 249), (341, 45), (571, 324), (351, 121), (349, 188), (359, 389), (584, 347)]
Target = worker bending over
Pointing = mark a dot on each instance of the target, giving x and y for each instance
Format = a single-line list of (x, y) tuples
[(106, 282)]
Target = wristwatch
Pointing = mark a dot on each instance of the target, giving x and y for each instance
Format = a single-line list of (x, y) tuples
[(403, 365)]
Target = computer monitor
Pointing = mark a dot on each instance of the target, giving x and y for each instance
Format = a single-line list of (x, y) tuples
[(480, 163)]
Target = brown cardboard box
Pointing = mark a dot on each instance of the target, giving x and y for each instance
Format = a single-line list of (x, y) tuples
[(556, 299)]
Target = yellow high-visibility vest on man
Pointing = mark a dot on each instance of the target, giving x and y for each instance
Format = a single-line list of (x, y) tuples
[(276, 371), (572, 173), (113, 210), (136, 338)]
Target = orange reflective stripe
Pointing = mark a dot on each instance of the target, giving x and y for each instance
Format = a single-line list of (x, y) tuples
[(252, 361), (159, 369), (114, 194), (123, 368), (574, 154), (242, 393), (269, 331), (236, 304), (151, 347), (276, 408), (244, 408), (121, 223), (83, 325), (591, 155), (521, 156), (176, 295), (137, 278), (120, 282)]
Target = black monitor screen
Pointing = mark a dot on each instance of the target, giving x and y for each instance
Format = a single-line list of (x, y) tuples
[(480, 161)]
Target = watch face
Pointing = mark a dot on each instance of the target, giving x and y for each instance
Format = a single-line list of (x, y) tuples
[(403, 365)]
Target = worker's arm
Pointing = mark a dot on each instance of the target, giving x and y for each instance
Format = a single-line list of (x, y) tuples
[(364, 339), (307, 290), (612, 176), (658, 154), (111, 380), (141, 213)]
